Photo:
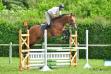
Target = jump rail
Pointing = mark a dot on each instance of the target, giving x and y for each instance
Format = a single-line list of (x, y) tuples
[(40, 57)]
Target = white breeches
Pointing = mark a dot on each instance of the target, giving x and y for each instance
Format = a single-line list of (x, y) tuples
[(48, 18)]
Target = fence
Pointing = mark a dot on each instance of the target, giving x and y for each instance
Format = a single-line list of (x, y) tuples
[(11, 45)]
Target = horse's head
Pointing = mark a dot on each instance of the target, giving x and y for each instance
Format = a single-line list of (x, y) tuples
[(72, 20), (66, 18)]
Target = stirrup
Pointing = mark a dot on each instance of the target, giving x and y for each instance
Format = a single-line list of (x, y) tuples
[(47, 26)]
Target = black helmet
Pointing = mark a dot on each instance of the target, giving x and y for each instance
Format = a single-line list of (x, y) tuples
[(61, 6)]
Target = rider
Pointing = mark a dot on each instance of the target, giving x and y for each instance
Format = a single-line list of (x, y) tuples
[(53, 12)]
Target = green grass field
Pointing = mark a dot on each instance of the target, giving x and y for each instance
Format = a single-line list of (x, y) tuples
[(97, 68)]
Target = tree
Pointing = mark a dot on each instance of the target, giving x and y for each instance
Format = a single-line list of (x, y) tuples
[(7, 4)]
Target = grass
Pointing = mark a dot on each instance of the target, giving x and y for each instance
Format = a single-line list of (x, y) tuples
[(97, 68)]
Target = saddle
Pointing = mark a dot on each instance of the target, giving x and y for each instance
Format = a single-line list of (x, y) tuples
[(44, 26)]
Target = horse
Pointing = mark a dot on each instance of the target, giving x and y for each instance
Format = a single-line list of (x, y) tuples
[(56, 28)]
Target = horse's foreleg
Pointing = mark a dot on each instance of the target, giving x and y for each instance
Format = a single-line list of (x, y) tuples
[(66, 34)]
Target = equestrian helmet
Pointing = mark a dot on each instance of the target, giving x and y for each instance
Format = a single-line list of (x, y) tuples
[(61, 6)]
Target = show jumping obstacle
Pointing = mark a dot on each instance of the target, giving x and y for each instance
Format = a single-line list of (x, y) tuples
[(24, 58), (73, 41), (49, 56)]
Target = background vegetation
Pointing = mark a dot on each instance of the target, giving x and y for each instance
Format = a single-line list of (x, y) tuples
[(94, 15)]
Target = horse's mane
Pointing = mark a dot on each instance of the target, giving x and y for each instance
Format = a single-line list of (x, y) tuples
[(59, 16)]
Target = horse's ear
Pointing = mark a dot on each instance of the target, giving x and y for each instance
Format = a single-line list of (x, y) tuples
[(71, 14)]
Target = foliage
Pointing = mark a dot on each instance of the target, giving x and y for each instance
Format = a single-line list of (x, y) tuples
[(1, 5), (85, 8)]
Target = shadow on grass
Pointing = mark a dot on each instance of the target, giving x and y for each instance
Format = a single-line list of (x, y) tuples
[(101, 68)]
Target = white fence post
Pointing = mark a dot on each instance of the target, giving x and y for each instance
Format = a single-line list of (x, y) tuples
[(87, 63), (10, 53), (45, 67)]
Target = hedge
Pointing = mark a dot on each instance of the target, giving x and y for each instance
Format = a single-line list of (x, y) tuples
[(99, 33)]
